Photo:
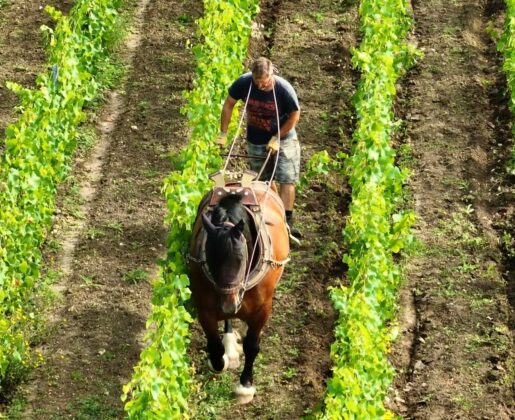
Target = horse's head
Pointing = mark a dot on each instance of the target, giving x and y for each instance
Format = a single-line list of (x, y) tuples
[(227, 256)]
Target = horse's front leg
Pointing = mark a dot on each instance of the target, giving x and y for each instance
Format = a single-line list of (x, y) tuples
[(231, 345), (218, 361), (245, 390)]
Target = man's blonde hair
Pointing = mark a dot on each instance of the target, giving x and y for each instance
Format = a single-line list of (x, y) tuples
[(262, 66)]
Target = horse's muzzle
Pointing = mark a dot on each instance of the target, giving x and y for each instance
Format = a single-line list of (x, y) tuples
[(230, 303)]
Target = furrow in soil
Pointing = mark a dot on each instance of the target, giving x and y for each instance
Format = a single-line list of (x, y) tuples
[(462, 348), (98, 325)]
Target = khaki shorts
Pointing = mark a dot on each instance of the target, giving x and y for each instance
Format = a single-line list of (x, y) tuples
[(288, 166)]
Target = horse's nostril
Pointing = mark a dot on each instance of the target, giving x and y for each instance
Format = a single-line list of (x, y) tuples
[(229, 305), (228, 309)]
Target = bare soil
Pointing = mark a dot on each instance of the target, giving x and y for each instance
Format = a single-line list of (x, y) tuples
[(461, 357), (456, 358)]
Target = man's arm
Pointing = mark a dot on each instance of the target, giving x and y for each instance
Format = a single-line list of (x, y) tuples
[(292, 120), (225, 118)]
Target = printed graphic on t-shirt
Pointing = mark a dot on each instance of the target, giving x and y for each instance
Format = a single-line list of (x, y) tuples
[(260, 114)]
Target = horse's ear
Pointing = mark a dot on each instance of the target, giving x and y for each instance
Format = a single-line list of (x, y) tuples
[(208, 225), (237, 230)]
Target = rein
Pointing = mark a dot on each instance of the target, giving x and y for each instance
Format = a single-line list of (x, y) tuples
[(246, 283)]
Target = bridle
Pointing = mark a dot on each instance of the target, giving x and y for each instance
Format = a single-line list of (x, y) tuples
[(240, 285)]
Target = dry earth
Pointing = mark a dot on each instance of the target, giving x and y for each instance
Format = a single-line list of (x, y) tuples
[(460, 362)]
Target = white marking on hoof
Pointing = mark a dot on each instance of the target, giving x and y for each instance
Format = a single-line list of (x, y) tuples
[(244, 394), (239, 347), (226, 364), (231, 350)]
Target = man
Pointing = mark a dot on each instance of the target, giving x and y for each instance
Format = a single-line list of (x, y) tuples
[(268, 92)]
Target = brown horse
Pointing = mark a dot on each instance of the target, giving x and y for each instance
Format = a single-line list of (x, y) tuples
[(238, 251)]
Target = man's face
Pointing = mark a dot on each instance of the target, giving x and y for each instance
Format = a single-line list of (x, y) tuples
[(265, 82)]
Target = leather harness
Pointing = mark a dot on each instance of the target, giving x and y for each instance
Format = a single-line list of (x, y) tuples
[(263, 241)]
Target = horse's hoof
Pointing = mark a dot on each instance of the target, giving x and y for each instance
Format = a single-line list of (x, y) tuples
[(239, 347), (226, 365), (231, 350), (244, 394), (234, 363)]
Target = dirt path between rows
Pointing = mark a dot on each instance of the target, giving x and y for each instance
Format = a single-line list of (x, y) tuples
[(458, 131), (97, 328)]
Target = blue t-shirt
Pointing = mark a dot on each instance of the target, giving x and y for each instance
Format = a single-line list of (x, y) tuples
[(261, 113)]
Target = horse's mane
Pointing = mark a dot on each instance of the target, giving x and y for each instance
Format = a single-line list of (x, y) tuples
[(230, 209)]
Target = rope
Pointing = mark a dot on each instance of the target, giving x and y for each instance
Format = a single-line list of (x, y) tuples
[(268, 183), (238, 130)]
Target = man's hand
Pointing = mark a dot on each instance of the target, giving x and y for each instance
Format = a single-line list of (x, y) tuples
[(273, 145), (221, 139)]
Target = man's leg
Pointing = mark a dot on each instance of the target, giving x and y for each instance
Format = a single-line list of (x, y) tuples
[(287, 194), (288, 175)]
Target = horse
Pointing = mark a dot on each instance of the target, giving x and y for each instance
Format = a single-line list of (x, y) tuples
[(238, 251)]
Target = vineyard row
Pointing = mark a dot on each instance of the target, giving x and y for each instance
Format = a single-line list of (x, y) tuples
[(163, 379), (377, 228), (38, 148), (506, 45)]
